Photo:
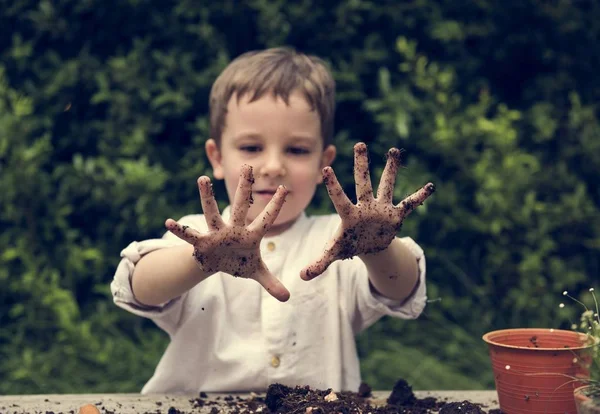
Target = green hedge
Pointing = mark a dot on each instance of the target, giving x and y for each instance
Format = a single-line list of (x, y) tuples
[(103, 110)]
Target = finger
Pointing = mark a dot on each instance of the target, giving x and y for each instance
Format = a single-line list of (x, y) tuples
[(414, 200), (263, 222), (340, 201), (209, 204), (334, 250), (362, 178), (185, 233), (272, 285), (243, 197), (385, 191), (317, 268)]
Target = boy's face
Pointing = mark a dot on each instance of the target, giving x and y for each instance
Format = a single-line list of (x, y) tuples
[(282, 143)]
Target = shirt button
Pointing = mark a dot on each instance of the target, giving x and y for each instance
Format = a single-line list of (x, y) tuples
[(275, 361), (270, 246)]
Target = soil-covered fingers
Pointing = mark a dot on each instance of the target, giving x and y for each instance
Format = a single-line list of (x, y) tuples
[(263, 222), (317, 268), (243, 196), (362, 177), (320, 265), (416, 199), (272, 285), (340, 201), (209, 204), (185, 233), (385, 191)]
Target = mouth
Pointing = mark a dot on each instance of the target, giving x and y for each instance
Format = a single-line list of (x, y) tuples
[(269, 193), (265, 192)]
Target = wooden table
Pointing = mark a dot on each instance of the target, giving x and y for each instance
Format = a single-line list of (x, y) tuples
[(160, 404)]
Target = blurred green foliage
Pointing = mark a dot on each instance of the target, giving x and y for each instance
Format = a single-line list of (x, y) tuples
[(103, 116)]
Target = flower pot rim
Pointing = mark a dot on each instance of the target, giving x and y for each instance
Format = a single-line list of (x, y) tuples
[(581, 389), (584, 400), (593, 341)]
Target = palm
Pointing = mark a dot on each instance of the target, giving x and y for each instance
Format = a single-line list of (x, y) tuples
[(234, 247), (370, 225)]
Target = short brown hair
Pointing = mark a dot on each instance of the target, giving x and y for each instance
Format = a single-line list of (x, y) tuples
[(279, 71)]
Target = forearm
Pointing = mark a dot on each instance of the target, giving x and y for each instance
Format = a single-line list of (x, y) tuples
[(393, 272), (165, 274)]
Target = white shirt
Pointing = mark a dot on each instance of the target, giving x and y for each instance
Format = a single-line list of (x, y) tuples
[(228, 334)]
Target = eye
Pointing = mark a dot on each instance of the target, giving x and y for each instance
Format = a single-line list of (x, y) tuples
[(250, 148), (298, 150)]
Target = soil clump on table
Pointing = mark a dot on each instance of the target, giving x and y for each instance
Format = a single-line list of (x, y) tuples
[(281, 399)]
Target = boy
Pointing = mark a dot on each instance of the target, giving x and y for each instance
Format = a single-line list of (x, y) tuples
[(271, 115)]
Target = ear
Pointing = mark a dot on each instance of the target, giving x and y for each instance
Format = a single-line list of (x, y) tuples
[(214, 156), (327, 158)]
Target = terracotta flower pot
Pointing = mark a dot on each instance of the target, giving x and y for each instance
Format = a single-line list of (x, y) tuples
[(534, 369), (584, 403)]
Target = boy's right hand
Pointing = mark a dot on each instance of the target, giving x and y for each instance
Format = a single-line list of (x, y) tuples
[(234, 247)]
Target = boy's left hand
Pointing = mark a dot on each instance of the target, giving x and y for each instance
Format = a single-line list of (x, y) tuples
[(370, 225)]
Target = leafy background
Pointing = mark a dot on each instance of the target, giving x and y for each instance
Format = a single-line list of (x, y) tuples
[(103, 116)]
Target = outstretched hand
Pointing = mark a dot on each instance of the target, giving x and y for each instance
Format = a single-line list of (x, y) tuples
[(234, 247), (370, 225)]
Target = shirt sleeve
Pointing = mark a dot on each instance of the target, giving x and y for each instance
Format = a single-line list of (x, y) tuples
[(165, 315), (371, 306)]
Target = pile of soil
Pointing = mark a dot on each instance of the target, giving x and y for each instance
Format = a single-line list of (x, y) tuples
[(281, 399)]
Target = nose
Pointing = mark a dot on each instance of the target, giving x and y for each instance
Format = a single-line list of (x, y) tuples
[(273, 166)]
